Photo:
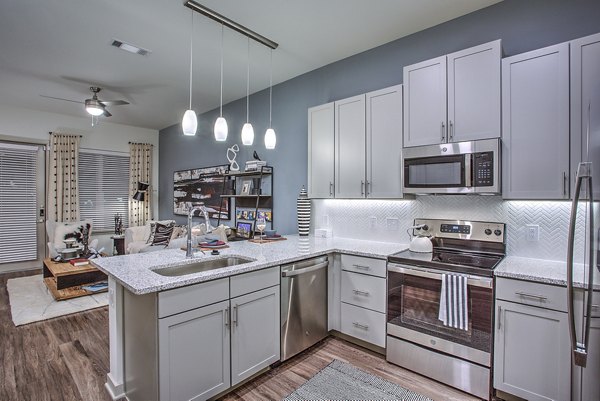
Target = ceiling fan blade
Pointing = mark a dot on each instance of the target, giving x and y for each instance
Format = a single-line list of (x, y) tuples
[(106, 113), (60, 98), (113, 102)]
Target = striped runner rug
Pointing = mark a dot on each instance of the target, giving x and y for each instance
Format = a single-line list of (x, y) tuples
[(342, 381)]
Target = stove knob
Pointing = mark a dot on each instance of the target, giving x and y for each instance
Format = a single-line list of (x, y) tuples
[(488, 231), (425, 227), (497, 232)]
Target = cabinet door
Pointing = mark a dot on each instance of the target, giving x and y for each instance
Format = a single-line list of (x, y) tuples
[(384, 143), (350, 147), (425, 103), (334, 282), (474, 93), (194, 353), (585, 105), (254, 333), (531, 352), (590, 389), (535, 127), (321, 149)]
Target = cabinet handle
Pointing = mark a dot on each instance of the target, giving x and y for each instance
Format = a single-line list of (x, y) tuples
[(526, 295), (564, 183), (362, 187), (362, 267), (361, 326), (595, 306), (330, 188), (443, 129), (499, 317), (234, 315), (359, 292), (226, 317), (451, 129)]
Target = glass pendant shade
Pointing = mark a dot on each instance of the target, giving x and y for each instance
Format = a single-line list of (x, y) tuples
[(189, 123), (221, 129), (247, 134), (270, 139)]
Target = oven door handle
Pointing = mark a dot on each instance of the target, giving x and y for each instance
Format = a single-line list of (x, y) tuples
[(475, 281)]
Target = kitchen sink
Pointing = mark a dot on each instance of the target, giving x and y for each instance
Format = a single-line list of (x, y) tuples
[(202, 266)]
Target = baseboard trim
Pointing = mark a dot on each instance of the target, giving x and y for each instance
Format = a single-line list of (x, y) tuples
[(115, 391)]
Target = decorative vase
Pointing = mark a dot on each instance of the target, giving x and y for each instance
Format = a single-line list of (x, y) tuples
[(303, 210)]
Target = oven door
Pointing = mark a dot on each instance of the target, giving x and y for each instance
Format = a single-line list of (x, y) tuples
[(413, 310), (438, 174)]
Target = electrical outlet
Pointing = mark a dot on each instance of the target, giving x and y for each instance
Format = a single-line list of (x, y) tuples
[(393, 224), (532, 232), (373, 222)]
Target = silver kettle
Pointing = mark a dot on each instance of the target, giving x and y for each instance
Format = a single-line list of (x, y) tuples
[(421, 243)]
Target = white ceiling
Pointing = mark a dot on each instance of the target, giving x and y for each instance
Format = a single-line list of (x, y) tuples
[(60, 47)]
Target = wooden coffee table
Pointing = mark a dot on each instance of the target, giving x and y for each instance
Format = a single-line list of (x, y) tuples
[(65, 281)]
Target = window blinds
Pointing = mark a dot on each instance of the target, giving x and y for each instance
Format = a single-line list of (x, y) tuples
[(103, 189), (18, 203)]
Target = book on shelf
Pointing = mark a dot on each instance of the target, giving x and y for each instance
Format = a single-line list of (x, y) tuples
[(79, 262)]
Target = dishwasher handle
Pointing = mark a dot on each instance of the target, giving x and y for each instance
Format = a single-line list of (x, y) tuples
[(308, 269)]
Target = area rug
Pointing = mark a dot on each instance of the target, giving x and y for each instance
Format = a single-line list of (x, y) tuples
[(342, 381), (30, 301)]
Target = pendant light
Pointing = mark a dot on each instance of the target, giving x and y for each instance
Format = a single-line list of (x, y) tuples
[(190, 121), (247, 130), (270, 137), (220, 129)]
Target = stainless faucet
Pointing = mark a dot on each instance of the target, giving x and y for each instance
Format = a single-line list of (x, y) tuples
[(189, 253)]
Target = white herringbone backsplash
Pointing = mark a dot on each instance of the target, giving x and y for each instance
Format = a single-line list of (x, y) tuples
[(368, 219)]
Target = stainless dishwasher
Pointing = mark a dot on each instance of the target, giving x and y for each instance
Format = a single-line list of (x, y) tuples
[(303, 305)]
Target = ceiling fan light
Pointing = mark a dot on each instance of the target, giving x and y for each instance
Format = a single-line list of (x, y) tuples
[(221, 129), (189, 123), (94, 107), (247, 134), (270, 139)]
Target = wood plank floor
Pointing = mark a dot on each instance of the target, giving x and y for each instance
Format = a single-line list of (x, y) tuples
[(281, 381), (66, 359)]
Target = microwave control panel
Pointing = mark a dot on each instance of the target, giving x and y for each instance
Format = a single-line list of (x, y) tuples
[(483, 169)]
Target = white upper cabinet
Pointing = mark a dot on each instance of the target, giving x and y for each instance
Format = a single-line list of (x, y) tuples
[(453, 98), (425, 102), (384, 143), (474, 93), (585, 105), (350, 147), (321, 150), (535, 124)]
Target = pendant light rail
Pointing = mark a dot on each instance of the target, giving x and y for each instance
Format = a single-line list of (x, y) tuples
[(207, 12)]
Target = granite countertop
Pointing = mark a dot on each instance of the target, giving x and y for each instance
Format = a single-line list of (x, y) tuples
[(542, 271), (135, 272)]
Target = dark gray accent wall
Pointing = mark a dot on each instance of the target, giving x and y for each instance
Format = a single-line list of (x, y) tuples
[(522, 25)]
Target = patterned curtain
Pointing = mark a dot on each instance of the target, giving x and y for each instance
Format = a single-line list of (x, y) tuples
[(62, 178), (140, 170)]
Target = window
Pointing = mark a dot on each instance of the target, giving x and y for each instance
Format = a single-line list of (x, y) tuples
[(103, 189), (18, 203)]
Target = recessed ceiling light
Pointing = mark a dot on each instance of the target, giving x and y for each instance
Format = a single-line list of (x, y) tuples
[(128, 47)]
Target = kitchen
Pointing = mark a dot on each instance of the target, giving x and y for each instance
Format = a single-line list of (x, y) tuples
[(507, 194)]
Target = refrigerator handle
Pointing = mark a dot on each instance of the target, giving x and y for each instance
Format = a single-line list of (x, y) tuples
[(579, 349)]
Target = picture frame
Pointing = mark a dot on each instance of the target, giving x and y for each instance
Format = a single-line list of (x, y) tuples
[(201, 185), (246, 186), (243, 230)]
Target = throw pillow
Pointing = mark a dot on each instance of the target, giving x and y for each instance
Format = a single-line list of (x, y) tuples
[(152, 224), (65, 231), (162, 234)]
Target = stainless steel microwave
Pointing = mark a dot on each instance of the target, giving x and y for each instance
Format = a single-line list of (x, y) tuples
[(453, 168)]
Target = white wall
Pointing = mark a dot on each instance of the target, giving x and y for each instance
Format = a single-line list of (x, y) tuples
[(25, 124)]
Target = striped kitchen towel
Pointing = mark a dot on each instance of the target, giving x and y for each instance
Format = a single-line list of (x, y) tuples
[(454, 306)]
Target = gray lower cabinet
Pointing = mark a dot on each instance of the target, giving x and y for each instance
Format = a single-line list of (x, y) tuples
[(531, 352), (254, 333), (194, 353)]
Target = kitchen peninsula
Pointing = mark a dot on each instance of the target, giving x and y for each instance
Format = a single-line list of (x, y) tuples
[(152, 315)]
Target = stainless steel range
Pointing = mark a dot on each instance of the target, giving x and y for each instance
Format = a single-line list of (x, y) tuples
[(440, 304)]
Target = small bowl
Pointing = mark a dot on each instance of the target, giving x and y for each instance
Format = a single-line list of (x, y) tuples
[(270, 233)]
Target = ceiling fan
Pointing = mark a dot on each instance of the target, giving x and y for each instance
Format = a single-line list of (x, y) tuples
[(94, 106)]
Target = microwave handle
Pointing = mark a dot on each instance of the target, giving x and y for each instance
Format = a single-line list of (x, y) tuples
[(469, 170)]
